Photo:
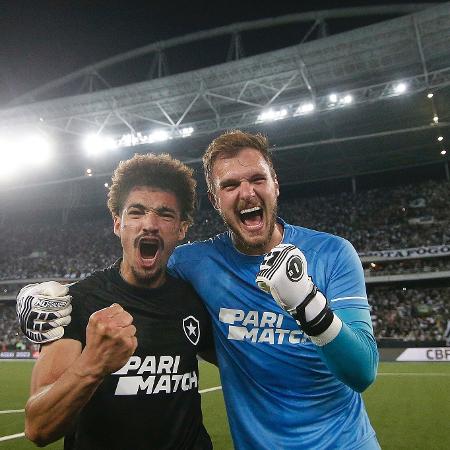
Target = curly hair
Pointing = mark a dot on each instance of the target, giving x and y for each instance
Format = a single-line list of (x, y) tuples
[(229, 144), (157, 171)]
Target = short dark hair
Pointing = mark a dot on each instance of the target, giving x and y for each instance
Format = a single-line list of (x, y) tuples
[(158, 171), (230, 144)]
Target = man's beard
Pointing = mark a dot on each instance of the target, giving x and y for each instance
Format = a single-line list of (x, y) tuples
[(144, 279), (239, 239)]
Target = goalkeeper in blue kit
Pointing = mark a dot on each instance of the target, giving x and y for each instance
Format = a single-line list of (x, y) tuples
[(291, 321)]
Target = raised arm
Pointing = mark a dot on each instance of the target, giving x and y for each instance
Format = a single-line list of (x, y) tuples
[(65, 377), (344, 338)]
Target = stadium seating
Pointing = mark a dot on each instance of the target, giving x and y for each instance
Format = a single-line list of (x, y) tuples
[(378, 219)]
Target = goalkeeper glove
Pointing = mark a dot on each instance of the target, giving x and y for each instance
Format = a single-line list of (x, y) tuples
[(283, 274), (43, 310)]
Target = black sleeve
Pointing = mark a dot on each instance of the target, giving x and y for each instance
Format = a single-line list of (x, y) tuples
[(77, 327), (206, 338)]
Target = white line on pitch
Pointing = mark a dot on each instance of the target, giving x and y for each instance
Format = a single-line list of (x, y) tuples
[(18, 435), (415, 374), (12, 436), (210, 389), (11, 411)]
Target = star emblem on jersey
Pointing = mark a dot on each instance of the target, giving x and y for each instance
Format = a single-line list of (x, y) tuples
[(294, 268), (191, 328)]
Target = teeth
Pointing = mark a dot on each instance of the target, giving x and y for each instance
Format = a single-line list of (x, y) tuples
[(256, 208)]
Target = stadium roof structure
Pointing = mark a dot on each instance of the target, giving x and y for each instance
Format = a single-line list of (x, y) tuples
[(369, 125)]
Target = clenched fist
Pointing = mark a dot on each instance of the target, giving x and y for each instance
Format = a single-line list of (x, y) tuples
[(110, 340), (284, 274)]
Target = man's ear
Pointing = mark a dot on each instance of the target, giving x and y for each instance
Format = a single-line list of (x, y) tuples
[(277, 186), (213, 200), (183, 230), (117, 224)]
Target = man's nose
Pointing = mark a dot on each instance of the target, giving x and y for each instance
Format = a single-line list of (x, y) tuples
[(150, 221), (246, 190)]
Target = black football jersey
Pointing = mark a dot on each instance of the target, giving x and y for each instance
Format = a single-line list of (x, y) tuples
[(152, 402)]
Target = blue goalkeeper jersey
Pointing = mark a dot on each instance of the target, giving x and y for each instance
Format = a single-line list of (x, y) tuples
[(278, 392)]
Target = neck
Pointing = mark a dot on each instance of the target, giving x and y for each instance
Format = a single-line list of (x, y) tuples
[(134, 279)]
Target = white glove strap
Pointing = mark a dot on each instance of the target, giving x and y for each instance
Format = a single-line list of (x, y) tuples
[(329, 334), (320, 319)]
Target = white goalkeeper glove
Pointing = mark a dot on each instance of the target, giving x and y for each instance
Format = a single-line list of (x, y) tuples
[(284, 274), (43, 310)]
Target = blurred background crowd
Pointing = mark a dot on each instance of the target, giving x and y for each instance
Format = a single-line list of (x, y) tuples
[(416, 215)]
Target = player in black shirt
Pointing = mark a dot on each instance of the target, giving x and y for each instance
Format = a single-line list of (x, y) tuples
[(126, 376), (153, 401)]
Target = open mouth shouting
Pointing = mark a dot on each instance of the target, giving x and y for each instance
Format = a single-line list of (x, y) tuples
[(252, 218), (149, 248)]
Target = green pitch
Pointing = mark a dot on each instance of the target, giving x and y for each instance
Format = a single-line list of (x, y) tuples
[(409, 406)]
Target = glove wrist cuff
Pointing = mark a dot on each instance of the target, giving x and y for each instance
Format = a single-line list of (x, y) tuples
[(321, 322), (329, 334)]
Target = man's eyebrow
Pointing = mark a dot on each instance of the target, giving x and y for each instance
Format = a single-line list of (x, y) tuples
[(163, 209), (135, 205), (224, 182), (227, 181), (158, 209)]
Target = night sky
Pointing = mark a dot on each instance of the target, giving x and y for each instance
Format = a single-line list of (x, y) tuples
[(44, 40)]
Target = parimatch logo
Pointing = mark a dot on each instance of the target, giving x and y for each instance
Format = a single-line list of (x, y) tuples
[(259, 326), (163, 376)]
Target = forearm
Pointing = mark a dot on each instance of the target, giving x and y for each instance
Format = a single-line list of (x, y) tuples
[(352, 356), (51, 411), (343, 338)]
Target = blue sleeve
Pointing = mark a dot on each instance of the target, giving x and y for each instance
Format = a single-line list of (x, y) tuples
[(352, 356), (173, 268)]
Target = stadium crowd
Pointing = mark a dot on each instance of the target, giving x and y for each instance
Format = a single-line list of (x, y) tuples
[(424, 265), (378, 219), (405, 314), (410, 314), (11, 338)]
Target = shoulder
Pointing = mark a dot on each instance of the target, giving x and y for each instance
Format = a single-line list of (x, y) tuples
[(184, 294), (199, 249), (178, 285), (315, 241), (330, 253), (97, 281)]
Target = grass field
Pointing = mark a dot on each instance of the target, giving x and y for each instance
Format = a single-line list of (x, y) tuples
[(409, 406)]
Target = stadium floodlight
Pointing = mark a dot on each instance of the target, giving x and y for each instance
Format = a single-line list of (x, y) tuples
[(158, 136), (34, 150), (106, 185), (130, 140), (272, 114), (305, 108), (346, 100), (95, 144), (186, 132), (400, 88), (443, 152), (440, 138), (333, 98), (435, 118), (8, 164), (23, 151), (430, 95)]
